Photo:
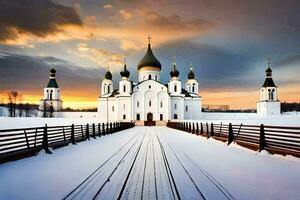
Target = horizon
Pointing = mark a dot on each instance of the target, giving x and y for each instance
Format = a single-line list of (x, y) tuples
[(227, 42)]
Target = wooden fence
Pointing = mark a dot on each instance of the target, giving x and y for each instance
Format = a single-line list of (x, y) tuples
[(24, 142), (274, 139)]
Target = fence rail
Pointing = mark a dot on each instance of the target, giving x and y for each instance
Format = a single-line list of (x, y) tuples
[(24, 142), (275, 139)]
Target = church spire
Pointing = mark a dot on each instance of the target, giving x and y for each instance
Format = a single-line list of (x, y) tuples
[(269, 80), (125, 73), (174, 73), (52, 82)]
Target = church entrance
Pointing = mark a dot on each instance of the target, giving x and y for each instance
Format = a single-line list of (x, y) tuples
[(149, 121)]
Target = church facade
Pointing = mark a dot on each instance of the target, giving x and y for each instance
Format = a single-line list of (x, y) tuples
[(149, 100)]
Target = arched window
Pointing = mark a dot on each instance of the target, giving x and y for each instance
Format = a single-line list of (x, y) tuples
[(272, 94), (138, 117), (149, 103), (124, 106), (175, 88), (175, 116), (108, 88), (124, 116), (269, 91), (51, 92), (138, 104), (149, 77), (113, 108), (186, 108), (161, 117), (124, 88), (175, 105), (193, 88), (161, 104)]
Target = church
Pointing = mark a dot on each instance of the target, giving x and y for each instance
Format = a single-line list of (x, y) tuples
[(149, 101)]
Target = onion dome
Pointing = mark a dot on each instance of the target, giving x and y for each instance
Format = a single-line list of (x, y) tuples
[(269, 80), (52, 82), (149, 60), (125, 73), (108, 75), (174, 73), (191, 74)]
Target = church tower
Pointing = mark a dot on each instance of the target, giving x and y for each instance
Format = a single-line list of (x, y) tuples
[(269, 103), (149, 67), (174, 84), (51, 104), (125, 88), (191, 84), (107, 84)]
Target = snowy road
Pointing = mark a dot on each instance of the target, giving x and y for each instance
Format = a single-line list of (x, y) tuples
[(150, 163)]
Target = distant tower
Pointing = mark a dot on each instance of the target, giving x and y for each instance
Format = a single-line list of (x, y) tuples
[(51, 104), (269, 103), (191, 84), (107, 84), (125, 83), (174, 84)]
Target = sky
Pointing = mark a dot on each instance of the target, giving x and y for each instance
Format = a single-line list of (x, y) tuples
[(227, 41)]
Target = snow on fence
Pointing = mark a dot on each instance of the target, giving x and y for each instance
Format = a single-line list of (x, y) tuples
[(24, 142), (275, 139)]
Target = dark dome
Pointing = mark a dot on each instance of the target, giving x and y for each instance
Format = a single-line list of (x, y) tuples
[(52, 72), (191, 74), (125, 72), (149, 60), (174, 72), (269, 72), (108, 75)]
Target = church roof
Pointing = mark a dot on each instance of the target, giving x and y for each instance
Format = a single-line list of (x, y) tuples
[(125, 72), (52, 83), (186, 93), (149, 60), (269, 82), (108, 75)]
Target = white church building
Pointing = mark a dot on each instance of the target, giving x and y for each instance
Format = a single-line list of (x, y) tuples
[(269, 103), (149, 101)]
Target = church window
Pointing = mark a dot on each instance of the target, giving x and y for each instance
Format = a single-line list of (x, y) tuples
[(124, 106), (186, 108), (113, 108), (149, 103), (156, 77), (161, 117), (193, 87), (175, 105), (175, 116), (175, 88), (269, 94), (124, 88), (138, 117), (108, 89), (161, 104), (149, 86), (149, 77), (124, 116), (138, 104), (51, 93)]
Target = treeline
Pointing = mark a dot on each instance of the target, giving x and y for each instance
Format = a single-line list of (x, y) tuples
[(288, 107), (68, 109)]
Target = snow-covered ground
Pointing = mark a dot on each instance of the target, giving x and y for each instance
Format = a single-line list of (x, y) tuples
[(151, 163), (27, 122)]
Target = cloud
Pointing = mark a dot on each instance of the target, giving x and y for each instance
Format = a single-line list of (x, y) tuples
[(125, 14), (99, 56), (20, 20), (107, 6)]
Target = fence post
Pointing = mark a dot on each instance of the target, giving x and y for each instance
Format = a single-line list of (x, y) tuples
[(230, 134), (193, 128), (103, 129), (87, 132), (72, 134), (107, 128), (201, 128), (207, 130), (45, 141), (94, 130), (262, 139), (197, 128), (99, 129), (110, 128), (212, 130)]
